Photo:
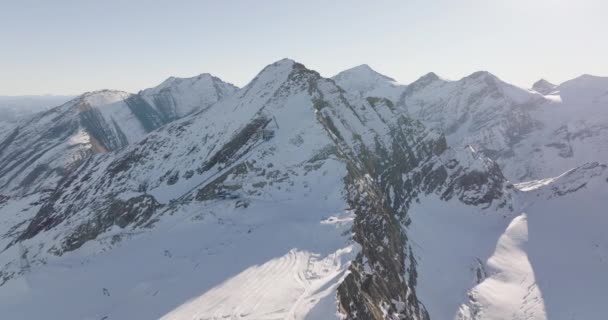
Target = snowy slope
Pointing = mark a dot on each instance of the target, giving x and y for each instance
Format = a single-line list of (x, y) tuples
[(363, 82)]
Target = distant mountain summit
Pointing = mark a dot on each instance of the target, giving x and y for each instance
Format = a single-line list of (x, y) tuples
[(178, 97), (585, 90), (366, 82), (544, 87)]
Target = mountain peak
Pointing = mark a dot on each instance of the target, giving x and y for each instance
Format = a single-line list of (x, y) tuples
[(431, 76), (423, 81), (279, 66), (363, 70), (103, 97), (543, 87), (178, 80), (587, 81), (485, 75), (283, 64), (366, 82), (585, 89), (102, 92)]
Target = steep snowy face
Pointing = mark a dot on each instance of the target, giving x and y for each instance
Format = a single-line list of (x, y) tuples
[(363, 82), (178, 97)]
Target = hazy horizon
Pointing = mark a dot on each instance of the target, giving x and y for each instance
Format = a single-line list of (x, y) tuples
[(70, 47)]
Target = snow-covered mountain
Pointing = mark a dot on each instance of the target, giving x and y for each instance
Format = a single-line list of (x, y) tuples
[(37, 151), (178, 97), (363, 82), (531, 136), (301, 197)]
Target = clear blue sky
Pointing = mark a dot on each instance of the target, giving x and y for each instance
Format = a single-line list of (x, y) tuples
[(68, 47)]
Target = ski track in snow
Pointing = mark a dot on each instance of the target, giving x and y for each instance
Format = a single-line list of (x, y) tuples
[(298, 279)]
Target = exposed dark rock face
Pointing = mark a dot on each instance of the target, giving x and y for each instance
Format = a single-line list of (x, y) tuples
[(166, 104), (48, 217), (8, 140), (377, 286), (3, 199), (135, 212), (250, 132), (147, 116), (96, 125), (381, 185)]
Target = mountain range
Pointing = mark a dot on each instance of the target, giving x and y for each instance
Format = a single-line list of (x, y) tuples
[(305, 197)]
